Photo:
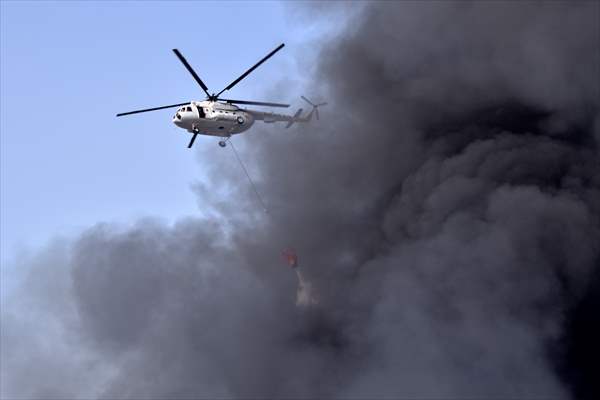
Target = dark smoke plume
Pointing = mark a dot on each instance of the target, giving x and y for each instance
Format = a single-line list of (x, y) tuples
[(446, 208)]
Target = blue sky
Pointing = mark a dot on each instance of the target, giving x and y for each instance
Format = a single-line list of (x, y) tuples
[(68, 67)]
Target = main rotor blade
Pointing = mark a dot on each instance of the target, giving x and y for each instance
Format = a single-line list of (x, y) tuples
[(151, 109), (232, 84), (191, 71), (256, 103)]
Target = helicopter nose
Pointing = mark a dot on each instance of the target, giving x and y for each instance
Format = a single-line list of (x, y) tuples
[(177, 119)]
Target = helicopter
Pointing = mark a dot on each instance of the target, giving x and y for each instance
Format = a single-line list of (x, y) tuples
[(220, 117)]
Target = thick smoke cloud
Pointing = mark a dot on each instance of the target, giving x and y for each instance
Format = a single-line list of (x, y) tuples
[(446, 208)]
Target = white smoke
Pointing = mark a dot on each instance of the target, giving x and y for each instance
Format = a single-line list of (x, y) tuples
[(305, 295)]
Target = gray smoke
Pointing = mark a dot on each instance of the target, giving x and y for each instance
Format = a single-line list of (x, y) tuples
[(446, 209)]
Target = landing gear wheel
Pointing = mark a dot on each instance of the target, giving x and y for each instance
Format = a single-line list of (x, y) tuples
[(222, 143), (195, 129)]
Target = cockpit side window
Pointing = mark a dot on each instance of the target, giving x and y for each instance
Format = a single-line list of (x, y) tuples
[(189, 109)]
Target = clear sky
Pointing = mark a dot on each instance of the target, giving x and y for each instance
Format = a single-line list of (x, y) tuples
[(68, 67)]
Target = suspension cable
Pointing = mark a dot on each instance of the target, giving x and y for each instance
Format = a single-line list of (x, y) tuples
[(248, 176)]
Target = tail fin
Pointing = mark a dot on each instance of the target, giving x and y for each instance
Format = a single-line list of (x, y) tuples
[(294, 118)]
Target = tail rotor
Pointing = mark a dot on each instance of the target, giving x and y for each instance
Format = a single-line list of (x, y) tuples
[(315, 106)]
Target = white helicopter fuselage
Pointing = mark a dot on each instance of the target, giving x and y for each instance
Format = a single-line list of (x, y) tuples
[(213, 118)]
